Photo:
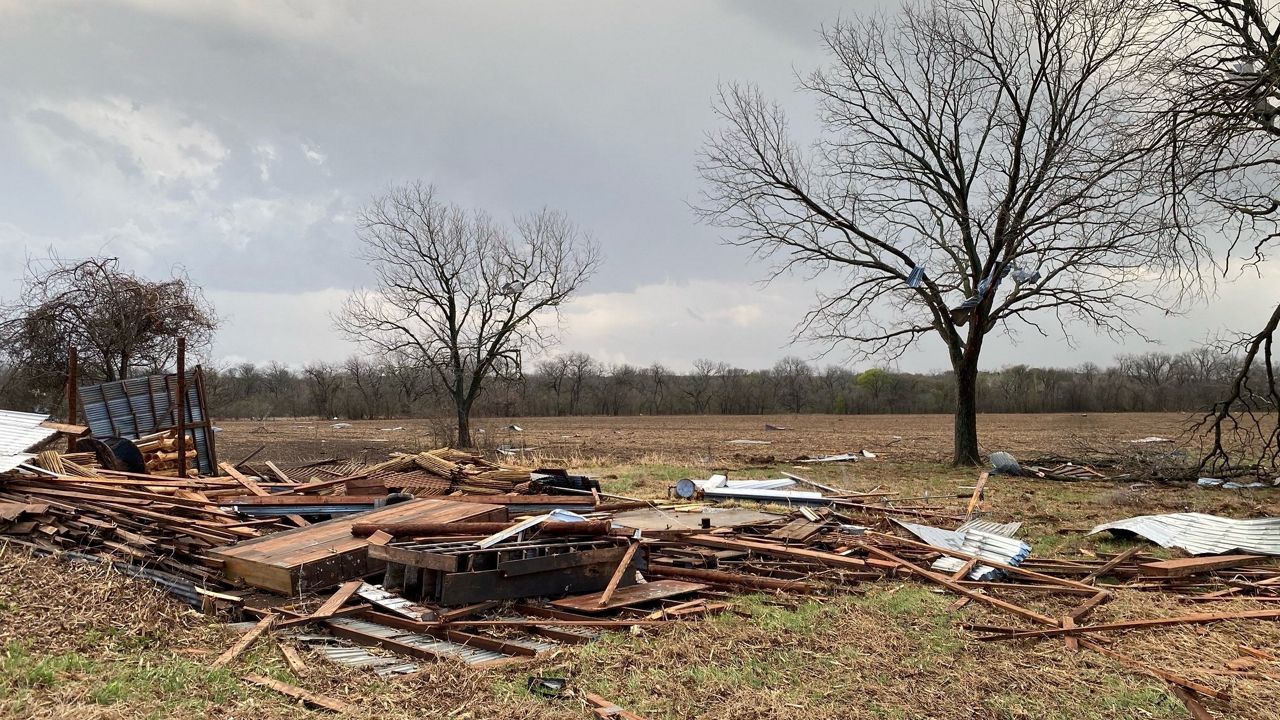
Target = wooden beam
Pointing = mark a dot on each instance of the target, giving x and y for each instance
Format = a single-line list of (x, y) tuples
[(977, 492), (1198, 619), (619, 573), (306, 696), (1183, 567), (245, 641), (1110, 565), (337, 599), (256, 489), (294, 660)]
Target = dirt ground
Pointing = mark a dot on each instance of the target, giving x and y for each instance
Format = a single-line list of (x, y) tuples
[(82, 643), (700, 438)]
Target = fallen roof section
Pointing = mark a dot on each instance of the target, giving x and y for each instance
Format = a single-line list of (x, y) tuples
[(19, 432), (1201, 534)]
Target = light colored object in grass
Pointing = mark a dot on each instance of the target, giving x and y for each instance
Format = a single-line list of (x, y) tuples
[(986, 539), (842, 457), (770, 496), (748, 442), (1229, 484), (1201, 534), (1150, 439), (688, 488), (340, 426)]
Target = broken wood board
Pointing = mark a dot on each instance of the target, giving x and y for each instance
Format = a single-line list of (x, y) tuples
[(631, 595), (324, 555), (1183, 567)]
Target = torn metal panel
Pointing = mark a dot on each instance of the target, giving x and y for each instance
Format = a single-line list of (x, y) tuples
[(985, 539), (426, 646), (770, 496), (358, 657), (20, 432), (1201, 534)]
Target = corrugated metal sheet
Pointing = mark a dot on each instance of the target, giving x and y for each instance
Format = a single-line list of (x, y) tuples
[(465, 653), (988, 540), (19, 432), (144, 405), (1201, 534), (358, 657)]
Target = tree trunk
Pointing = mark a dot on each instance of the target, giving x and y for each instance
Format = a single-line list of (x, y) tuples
[(966, 422), (464, 424)]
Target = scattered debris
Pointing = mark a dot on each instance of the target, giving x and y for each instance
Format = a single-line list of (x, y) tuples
[(1201, 534)]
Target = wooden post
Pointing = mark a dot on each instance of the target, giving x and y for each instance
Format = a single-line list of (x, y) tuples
[(72, 390), (182, 407)]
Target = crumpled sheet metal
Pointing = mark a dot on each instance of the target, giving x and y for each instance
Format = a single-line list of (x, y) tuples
[(986, 539), (1201, 534)]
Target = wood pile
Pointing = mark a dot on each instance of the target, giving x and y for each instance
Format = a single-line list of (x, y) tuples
[(438, 472), (160, 453)]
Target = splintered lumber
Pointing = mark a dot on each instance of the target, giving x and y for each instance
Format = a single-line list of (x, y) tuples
[(1011, 569), (1197, 619), (326, 554), (400, 530), (1088, 606), (782, 551), (720, 577), (977, 493), (245, 641), (631, 595), (294, 660), (1155, 672), (337, 599), (604, 709), (256, 489), (1198, 711), (306, 696), (960, 589), (623, 566), (1191, 566), (1110, 565)]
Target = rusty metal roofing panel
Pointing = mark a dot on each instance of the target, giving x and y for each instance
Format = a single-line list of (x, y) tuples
[(1201, 534), (20, 432)]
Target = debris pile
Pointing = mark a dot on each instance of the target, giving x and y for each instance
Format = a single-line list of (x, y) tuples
[(437, 472)]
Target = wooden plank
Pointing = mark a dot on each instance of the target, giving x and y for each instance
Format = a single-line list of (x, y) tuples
[(306, 696), (561, 561), (977, 493), (461, 588), (623, 567), (797, 530), (1198, 619), (256, 489), (1110, 565), (794, 553), (731, 579), (632, 595), (1088, 606), (294, 660), (245, 641), (337, 599), (1183, 567)]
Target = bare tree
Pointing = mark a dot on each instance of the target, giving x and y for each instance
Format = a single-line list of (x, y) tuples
[(458, 293), (978, 168), (698, 385), (1222, 65), (120, 323)]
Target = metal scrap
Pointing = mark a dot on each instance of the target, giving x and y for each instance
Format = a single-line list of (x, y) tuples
[(1201, 534)]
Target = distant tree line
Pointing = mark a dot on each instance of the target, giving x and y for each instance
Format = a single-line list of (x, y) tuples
[(577, 384)]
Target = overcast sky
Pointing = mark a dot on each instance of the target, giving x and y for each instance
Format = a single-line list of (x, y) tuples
[(239, 138)]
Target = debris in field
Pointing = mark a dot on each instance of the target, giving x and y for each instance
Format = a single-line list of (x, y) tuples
[(867, 453), (315, 699), (1229, 484), (769, 427), (546, 686), (1150, 439), (749, 442), (1005, 464), (605, 710), (340, 426), (1201, 534), (987, 540), (841, 457)]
